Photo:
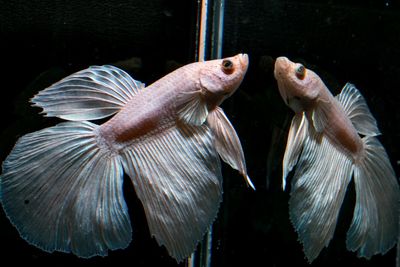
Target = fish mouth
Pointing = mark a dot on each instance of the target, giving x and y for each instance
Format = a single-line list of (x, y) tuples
[(282, 60), (244, 61), (281, 65)]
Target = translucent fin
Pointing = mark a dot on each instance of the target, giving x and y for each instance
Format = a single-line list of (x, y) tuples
[(192, 108), (90, 94), (177, 177), (320, 116), (294, 145), (318, 190), (375, 224), (356, 108), (64, 193), (227, 142)]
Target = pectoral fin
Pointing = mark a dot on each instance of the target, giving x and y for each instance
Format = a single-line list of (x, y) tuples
[(227, 142), (192, 108), (320, 116)]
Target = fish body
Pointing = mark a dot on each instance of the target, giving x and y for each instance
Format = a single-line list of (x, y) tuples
[(337, 126), (325, 144), (62, 186), (158, 105)]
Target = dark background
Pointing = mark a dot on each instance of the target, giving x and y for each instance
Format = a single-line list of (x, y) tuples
[(354, 41)]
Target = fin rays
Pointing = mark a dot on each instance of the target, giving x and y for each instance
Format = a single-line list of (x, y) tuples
[(93, 93), (192, 108), (356, 108), (318, 190), (177, 177), (375, 222), (322, 175), (63, 193)]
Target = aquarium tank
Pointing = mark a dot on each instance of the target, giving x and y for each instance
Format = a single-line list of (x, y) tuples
[(352, 41)]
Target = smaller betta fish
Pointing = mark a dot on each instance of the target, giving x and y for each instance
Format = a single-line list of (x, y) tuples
[(332, 139), (61, 187)]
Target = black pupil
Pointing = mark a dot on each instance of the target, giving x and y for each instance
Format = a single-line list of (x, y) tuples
[(227, 64), (300, 70)]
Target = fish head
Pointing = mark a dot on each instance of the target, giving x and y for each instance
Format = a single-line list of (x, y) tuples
[(220, 78), (298, 86)]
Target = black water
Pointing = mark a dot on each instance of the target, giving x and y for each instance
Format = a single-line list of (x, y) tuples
[(343, 41)]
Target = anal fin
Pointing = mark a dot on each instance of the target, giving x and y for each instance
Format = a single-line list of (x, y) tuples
[(177, 177), (318, 189)]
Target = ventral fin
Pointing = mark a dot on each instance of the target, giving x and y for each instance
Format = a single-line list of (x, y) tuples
[(90, 94), (177, 177), (192, 107), (227, 142), (356, 108), (294, 145)]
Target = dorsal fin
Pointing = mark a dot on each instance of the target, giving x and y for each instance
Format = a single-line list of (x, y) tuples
[(93, 93), (357, 110)]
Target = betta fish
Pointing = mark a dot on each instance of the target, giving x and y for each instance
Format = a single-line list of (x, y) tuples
[(61, 187), (332, 139)]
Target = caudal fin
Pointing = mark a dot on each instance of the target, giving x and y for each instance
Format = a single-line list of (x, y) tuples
[(62, 192), (375, 224)]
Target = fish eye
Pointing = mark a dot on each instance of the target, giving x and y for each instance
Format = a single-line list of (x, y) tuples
[(301, 72), (227, 66)]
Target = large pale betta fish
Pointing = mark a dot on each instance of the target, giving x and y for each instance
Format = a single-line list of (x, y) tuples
[(62, 186), (331, 140)]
